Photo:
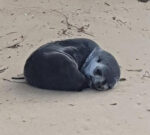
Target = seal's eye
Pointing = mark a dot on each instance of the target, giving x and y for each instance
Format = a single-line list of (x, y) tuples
[(98, 72), (99, 60)]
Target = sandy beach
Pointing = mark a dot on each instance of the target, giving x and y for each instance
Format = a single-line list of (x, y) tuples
[(121, 27)]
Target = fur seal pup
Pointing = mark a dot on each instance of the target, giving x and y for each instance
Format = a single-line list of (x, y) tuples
[(72, 64)]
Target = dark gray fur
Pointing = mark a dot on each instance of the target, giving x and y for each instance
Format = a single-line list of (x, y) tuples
[(143, 0), (65, 65)]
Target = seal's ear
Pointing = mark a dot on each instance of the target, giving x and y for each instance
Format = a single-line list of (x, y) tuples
[(99, 59)]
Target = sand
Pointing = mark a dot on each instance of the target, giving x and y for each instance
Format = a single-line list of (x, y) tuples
[(121, 27)]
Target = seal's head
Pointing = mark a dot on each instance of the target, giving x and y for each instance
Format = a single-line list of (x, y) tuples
[(101, 69)]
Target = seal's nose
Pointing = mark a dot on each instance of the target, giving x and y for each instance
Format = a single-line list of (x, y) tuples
[(110, 86), (98, 85)]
